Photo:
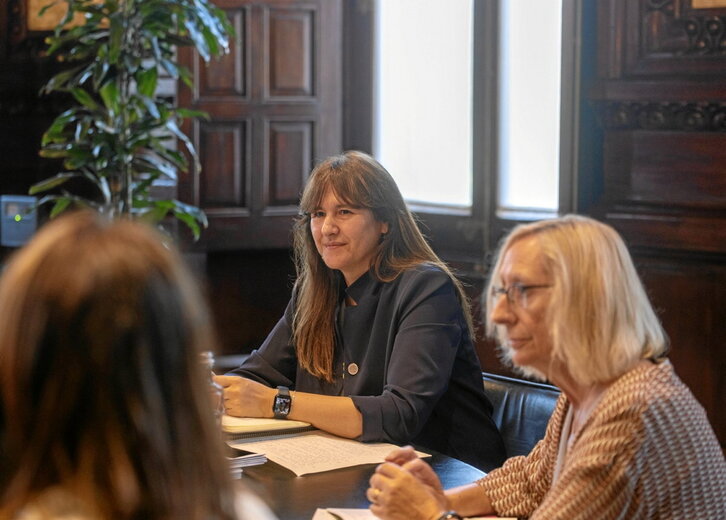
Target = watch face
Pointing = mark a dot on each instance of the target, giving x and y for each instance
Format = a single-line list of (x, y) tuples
[(282, 405)]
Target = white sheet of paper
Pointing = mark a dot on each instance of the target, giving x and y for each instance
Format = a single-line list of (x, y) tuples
[(317, 451), (365, 514)]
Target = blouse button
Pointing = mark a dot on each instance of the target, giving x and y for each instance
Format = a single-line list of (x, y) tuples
[(352, 369)]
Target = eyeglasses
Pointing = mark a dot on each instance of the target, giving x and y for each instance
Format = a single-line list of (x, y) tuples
[(516, 293)]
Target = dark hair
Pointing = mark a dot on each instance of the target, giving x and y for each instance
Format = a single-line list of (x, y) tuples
[(101, 388), (355, 178)]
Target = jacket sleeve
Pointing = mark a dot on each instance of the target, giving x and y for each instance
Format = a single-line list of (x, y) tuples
[(520, 485), (275, 362), (596, 482), (428, 324)]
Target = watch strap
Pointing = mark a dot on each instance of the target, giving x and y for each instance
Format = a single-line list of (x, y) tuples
[(450, 515)]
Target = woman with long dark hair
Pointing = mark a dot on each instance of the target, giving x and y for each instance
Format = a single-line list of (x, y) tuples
[(376, 342)]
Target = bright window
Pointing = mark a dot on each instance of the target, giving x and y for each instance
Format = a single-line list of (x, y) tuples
[(424, 107), (529, 105), (423, 98)]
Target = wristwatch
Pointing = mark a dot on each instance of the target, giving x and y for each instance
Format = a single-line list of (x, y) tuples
[(450, 515), (282, 403)]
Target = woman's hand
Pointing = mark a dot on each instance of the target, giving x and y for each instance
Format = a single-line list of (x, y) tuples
[(407, 458), (246, 398), (408, 492)]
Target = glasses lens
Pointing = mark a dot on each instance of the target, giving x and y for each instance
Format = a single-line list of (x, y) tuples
[(518, 295)]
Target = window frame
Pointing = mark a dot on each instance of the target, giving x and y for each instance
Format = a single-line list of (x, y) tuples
[(462, 237)]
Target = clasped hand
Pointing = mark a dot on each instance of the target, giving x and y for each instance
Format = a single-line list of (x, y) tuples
[(406, 488), (246, 398)]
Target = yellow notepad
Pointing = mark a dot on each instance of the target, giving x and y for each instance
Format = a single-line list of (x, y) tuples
[(240, 427)]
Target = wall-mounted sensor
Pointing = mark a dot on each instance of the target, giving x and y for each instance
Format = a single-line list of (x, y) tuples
[(18, 219)]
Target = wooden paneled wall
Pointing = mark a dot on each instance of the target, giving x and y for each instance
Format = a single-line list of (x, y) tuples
[(275, 110), (661, 96)]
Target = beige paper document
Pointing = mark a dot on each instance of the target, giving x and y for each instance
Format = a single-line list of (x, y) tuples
[(316, 451)]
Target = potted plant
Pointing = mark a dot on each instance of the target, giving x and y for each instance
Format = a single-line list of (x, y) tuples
[(117, 134)]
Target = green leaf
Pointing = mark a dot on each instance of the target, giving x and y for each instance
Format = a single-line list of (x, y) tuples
[(56, 128), (59, 81), (52, 182), (116, 36), (146, 81), (175, 158), (45, 8), (100, 69), (170, 67), (151, 107), (51, 153), (110, 95), (84, 98), (60, 206), (186, 113)]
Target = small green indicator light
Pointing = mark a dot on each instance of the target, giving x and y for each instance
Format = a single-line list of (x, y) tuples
[(18, 218)]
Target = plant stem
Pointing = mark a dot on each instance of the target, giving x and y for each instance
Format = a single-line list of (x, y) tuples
[(125, 78)]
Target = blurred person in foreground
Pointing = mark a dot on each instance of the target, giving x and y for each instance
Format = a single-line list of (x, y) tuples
[(627, 438), (376, 343), (104, 403)]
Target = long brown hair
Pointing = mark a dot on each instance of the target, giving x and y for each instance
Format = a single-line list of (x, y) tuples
[(358, 179), (101, 390)]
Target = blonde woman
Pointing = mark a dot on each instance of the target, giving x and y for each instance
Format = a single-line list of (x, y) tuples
[(627, 438)]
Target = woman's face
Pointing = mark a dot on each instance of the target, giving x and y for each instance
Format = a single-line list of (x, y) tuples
[(526, 332), (346, 236)]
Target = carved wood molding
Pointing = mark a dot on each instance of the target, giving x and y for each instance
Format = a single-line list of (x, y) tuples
[(680, 116), (677, 27), (16, 21), (647, 38)]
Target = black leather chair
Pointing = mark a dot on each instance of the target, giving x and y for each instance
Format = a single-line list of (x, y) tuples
[(521, 410)]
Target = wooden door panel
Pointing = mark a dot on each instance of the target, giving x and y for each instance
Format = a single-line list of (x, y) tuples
[(291, 59), (275, 108), (229, 75), (225, 182), (680, 168), (290, 150)]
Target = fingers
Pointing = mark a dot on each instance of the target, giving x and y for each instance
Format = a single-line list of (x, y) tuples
[(373, 494), (225, 381), (424, 473), (387, 470), (395, 494), (401, 455), (245, 398)]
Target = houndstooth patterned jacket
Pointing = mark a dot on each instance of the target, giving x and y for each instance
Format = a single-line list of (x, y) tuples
[(646, 452)]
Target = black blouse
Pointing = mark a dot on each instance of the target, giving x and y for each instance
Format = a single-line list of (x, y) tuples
[(404, 355)]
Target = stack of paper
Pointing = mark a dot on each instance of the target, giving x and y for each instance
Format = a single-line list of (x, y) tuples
[(245, 427), (239, 459)]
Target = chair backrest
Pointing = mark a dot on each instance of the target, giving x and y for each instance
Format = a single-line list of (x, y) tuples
[(521, 410)]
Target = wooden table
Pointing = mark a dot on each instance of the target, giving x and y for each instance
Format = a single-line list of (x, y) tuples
[(297, 498)]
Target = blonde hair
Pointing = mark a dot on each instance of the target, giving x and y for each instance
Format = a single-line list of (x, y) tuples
[(101, 390), (355, 178), (599, 315)]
